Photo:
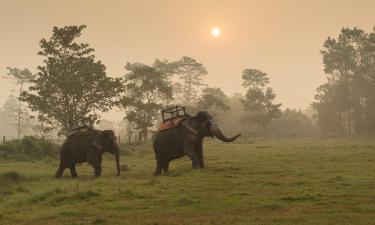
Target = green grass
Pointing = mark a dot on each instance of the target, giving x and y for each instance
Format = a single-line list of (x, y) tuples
[(303, 181)]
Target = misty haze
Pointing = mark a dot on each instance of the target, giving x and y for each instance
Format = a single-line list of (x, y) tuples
[(187, 112)]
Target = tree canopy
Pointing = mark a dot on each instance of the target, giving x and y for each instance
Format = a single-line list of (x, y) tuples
[(213, 100), (147, 87), (70, 84), (190, 73), (258, 102), (346, 102)]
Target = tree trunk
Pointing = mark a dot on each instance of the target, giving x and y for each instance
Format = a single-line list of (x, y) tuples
[(19, 113), (259, 121), (145, 135), (140, 136)]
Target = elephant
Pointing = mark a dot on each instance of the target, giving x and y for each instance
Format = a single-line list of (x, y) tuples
[(186, 139), (87, 146)]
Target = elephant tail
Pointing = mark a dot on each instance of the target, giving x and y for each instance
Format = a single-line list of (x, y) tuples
[(154, 146)]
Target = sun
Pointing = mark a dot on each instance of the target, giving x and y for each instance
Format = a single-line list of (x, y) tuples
[(215, 32)]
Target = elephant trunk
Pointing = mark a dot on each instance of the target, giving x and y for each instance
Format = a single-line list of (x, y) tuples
[(217, 133), (117, 157)]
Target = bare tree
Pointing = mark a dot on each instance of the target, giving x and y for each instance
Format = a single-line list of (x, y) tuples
[(20, 77)]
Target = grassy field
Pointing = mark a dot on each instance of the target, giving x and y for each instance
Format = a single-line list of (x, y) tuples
[(306, 181)]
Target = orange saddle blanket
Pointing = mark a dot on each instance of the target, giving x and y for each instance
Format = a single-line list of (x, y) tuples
[(170, 123)]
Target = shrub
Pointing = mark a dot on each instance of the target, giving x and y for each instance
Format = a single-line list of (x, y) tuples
[(28, 148)]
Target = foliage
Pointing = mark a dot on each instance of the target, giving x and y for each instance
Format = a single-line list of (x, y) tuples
[(190, 73), (146, 88), (258, 102), (14, 120), (254, 78), (28, 148), (346, 102), (70, 84), (20, 77), (166, 67), (289, 181), (292, 123), (213, 100)]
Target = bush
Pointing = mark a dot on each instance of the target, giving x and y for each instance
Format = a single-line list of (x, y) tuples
[(11, 176), (28, 148)]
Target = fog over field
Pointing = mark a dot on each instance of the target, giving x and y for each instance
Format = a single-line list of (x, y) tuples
[(282, 38), (170, 112)]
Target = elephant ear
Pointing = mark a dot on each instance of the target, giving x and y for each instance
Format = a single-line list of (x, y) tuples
[(202, 117), (108, 136), (202, 120)]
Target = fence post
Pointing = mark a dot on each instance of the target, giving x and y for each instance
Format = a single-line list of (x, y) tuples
[(3, 139)]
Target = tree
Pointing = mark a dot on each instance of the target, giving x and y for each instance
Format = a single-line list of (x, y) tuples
[(43, 129), (213, 100), (168, 69), (70, 84), (258, 102), (347, 100), (146, 89), (13, 121), (9, 117), (20, 77), (292, 123), (191, 75), (254, 78)]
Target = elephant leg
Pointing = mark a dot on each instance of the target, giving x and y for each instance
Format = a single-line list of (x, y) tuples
[(189, 148), (200, 156), (98, 171), (96, 162), (73, 171), (60, 171), (158, 168), (200, 160), (94, 158), (63, 161), (165, 167), (194, 158), (199, 151), (98, 167)]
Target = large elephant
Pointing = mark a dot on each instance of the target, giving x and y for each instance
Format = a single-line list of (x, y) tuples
[(186, 139), (87, 146)]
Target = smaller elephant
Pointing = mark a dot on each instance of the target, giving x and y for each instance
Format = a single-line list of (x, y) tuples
[(88, 146)]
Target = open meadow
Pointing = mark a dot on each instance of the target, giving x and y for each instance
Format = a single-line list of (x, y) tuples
[(302, 181)]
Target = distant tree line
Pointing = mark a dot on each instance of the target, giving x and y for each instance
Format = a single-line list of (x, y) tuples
[(72, 84), (345, 104)]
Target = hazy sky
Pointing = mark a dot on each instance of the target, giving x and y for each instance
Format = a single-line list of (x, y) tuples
[(280, 37)]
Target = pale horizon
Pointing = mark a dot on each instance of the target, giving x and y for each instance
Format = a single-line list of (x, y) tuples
[(282, 39)]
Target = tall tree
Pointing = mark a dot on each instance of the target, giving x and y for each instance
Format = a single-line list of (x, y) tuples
[(213, 100), (168, 69), (349, 63), (146, 89), (258, 102), (70, 84), (21, 77), (191, 75), (292, 123), (9, 117), (254, 78)]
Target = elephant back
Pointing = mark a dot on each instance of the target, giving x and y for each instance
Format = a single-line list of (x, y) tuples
[(173, 122), (83, 131)]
